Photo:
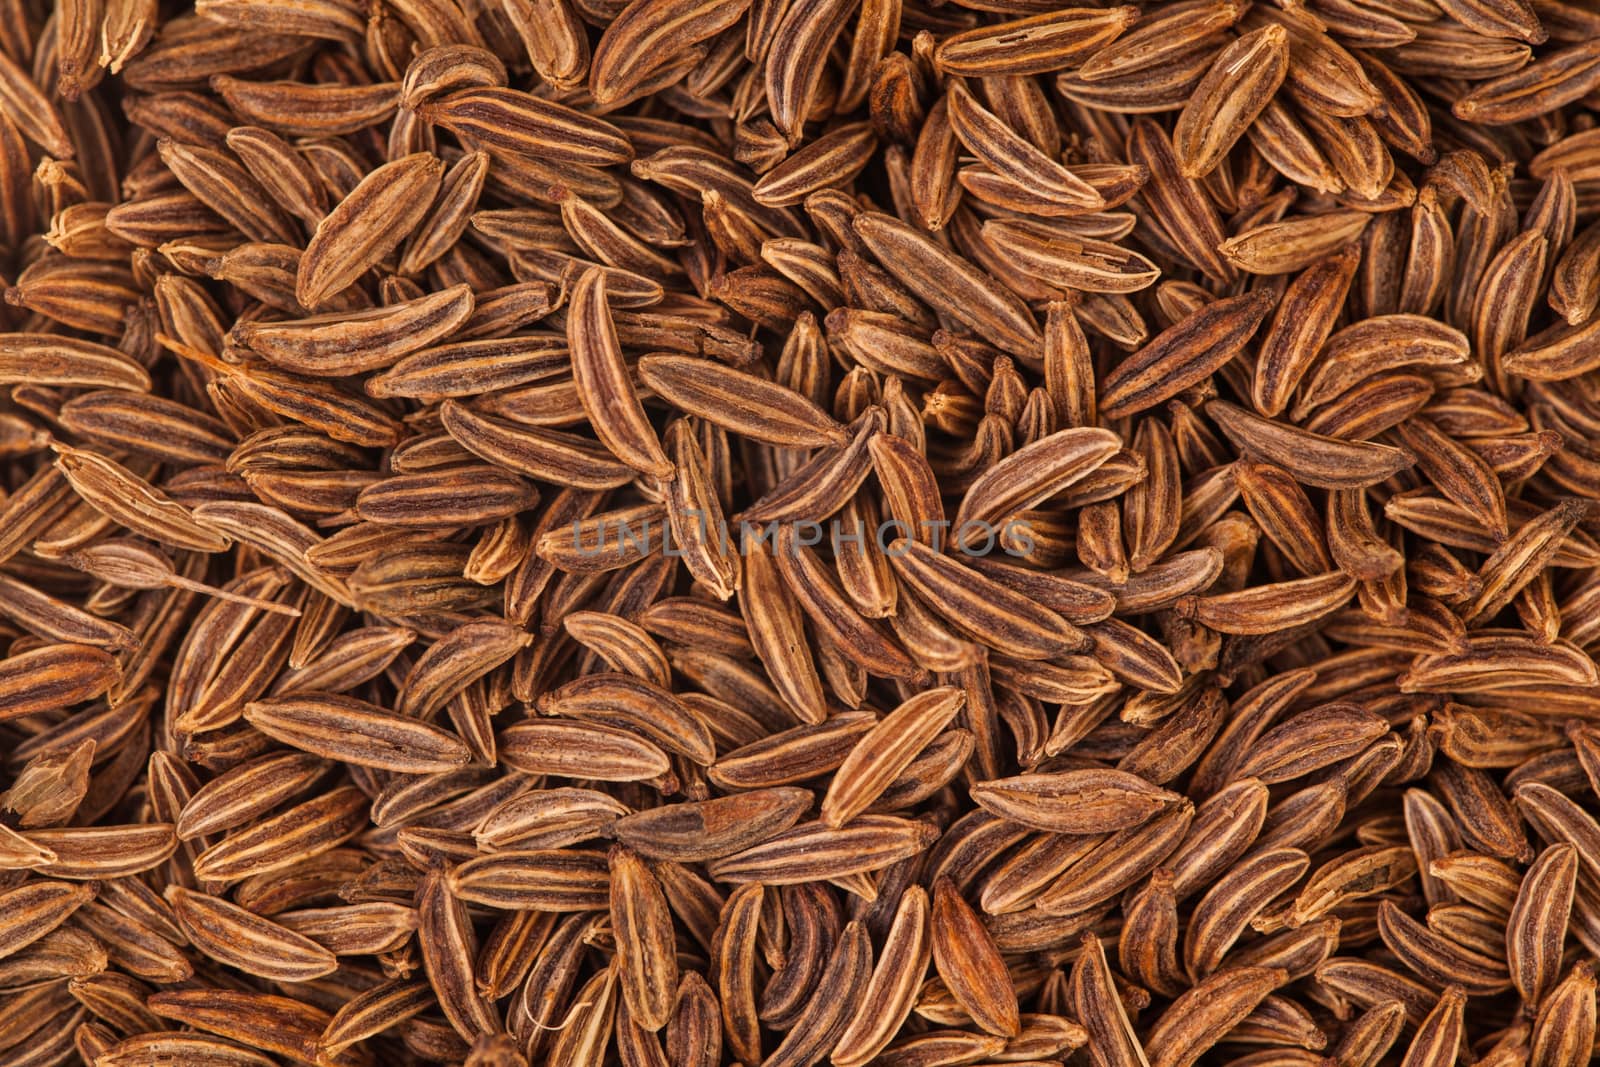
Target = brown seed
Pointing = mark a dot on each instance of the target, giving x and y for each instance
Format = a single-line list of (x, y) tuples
[(1116, 862), (92, 852), (810, 851), (970, 964), (645, 950), (1323, 462), (1268, 608), (1224, 912), (1537, 926), (446, 939), (1069, 261), (859, 639), (1435, 957), (272, 1023), (389, 202), (344, 728), (740, 402), (1084, 802), (549, 455), (891, 991), (948, 283), (584, 750), (604, 385), (1567, 1020), (129, 500), (341, 344), (1203, 1015), (1234, 91), (1438, 1038), (1301, 326), (241, 793), (238, 938), (305, 830), (986, 610), (887, 750), (1033, 45), (1099, 1004), (45, 359), (35, 908), (1294, 243), (1183, 355), (819, 1027), (53, 676), (1028, 477), (1309, 740)]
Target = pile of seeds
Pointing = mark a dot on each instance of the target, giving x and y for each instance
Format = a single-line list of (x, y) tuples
[(772, 532)]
